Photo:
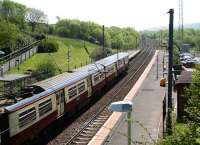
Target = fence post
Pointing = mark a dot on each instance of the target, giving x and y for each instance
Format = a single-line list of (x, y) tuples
[(1, 70), (20, 58), (29, 52), (25, 56), (9, 63), (164, 114)]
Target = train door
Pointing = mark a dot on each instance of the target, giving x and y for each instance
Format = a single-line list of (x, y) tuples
[(60, 98), (89, 85)]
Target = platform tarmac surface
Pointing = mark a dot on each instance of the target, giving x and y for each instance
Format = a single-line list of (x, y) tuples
[(147, 110)]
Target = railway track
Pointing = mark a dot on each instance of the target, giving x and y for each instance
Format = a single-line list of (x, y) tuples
[(85, 127)]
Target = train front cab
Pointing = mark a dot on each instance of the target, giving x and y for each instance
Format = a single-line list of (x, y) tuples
[(25, 123)]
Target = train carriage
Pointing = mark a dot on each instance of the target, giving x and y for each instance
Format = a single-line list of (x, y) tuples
[(31, 119), (57, 96)]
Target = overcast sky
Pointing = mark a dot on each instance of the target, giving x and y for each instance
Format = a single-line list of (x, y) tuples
[(139, 14)]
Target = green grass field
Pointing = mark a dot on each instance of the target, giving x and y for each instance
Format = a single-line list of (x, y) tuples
[(78, 55)]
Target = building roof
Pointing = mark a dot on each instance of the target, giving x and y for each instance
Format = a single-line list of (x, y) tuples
[(185, 77)]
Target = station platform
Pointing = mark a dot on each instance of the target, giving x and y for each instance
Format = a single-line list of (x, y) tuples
[(147, 97)]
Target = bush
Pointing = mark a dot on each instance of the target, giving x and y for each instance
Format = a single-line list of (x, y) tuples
[(187, 136), (98, 53), (48, 45), (45, 69), (39, 36)]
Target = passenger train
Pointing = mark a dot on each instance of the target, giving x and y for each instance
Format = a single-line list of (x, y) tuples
[(52, 98)]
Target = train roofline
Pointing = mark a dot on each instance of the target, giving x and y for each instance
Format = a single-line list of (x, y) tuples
[(82, 73)]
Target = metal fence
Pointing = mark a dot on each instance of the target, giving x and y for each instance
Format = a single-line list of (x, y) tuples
[(15, 58)]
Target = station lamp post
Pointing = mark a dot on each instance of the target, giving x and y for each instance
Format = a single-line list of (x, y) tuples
[(124, 106)]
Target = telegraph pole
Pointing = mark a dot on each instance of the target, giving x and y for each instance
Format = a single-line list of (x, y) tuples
[(180, 21), (103, 39), (68, 57), (170, 49)]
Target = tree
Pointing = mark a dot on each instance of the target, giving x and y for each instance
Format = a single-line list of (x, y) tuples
[(35, 17), (197, 42), (48, 45), (8, 36), (62, 28), (192, 97), (13, 12)]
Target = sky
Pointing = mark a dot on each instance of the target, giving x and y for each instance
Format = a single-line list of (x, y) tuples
[(139, 14)]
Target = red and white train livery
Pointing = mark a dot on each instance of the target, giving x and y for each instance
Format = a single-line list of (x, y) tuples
[(57, 96)]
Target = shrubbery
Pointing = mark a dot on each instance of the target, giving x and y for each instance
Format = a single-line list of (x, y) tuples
[(186, 137), (98, 53), (48, 45), (45, 69), (11, 38), (191, 135)]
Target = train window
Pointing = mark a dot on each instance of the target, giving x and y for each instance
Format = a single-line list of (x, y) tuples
[(27, 117), (45, 107), (96, 77), (81, 87), (119, 62), (126, 60), (72, 92), (111, 69), (101, 75)]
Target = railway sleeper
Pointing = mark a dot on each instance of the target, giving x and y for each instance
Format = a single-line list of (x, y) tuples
[(88, 132), (103, 115), (84, 138), (91, 128), (100, 120), (86, 135), (80, 142), (103, 118), (96, 125)]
